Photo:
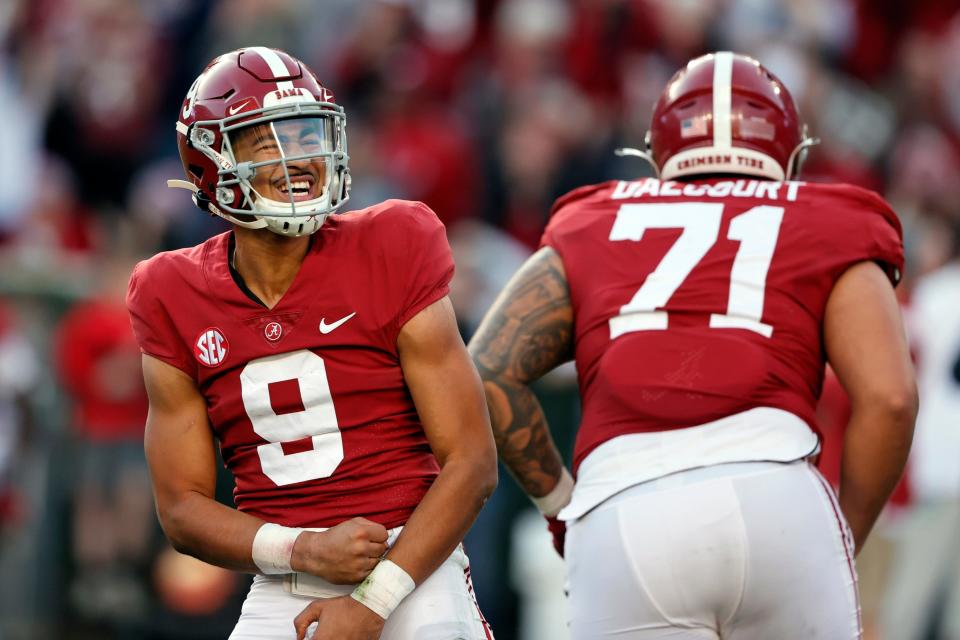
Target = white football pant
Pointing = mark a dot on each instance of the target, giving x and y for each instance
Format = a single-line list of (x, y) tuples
[(443, 607), (744, 551)]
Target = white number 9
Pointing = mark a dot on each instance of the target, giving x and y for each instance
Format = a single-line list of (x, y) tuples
[(317, 418)]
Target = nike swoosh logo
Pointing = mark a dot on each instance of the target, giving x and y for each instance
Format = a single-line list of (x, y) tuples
[(237, 107), (327, 328)]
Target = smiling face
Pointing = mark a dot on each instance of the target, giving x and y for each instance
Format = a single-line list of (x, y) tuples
[(290, 140)]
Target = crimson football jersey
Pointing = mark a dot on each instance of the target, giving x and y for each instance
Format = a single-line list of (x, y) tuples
[(307, 399), (698, 300)]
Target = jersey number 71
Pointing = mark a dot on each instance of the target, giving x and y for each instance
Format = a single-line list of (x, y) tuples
[(756, 230)]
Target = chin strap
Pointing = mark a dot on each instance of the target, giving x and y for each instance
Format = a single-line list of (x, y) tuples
[(183, 184), (257, 223), (637, 153), (198, 198), (795, 162)]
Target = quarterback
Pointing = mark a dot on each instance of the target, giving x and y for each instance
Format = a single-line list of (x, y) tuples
[(700, 307), (322, 354)]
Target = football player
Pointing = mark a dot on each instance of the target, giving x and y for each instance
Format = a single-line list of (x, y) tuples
[(322, 353), (700, 307)]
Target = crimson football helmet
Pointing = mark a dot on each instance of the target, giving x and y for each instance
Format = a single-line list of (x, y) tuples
[(725, 113), (263, 143)]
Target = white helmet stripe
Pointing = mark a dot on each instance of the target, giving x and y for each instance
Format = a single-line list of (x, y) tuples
[(722, 81), (276, 64)]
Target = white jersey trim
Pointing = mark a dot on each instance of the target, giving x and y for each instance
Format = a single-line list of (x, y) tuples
[(761, 434)]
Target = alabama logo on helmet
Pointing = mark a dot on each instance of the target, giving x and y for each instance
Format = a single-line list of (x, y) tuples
[(211, 347)]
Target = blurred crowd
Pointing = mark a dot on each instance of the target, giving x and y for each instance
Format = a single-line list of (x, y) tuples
[(486, 110)]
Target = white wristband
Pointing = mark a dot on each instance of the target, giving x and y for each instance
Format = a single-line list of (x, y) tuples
[(384, 588), (559, 497), (273, 548)]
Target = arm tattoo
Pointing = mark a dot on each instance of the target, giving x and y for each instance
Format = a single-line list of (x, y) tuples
[(527, 332)]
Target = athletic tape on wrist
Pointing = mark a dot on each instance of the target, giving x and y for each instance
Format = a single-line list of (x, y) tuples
[(551, 504), (384, 589), (273, 548)]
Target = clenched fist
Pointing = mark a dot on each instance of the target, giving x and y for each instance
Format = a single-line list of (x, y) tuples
[(344, 554)]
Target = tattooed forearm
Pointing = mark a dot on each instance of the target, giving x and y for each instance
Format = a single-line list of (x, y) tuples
[(527, 333), (522, 436)]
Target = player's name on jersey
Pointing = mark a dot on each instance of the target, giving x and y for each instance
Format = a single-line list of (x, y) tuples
[(759, 189)]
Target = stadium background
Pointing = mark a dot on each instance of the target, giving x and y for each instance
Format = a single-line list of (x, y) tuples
[(484, 109)]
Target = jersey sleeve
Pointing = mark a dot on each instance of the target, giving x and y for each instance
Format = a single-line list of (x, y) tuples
[(550, 237), (867, 229), (425, 262), (563, 216), (152, 325), (886, 246)]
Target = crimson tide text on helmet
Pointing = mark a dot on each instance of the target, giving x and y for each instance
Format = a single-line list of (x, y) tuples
[(725, 113), (264, 91)]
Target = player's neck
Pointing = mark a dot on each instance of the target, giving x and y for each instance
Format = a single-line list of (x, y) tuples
[(268, 262)]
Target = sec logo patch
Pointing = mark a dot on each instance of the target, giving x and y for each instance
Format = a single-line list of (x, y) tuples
[(211, 347)]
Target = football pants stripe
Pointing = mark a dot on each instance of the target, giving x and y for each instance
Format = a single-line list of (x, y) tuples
[(851, 564)]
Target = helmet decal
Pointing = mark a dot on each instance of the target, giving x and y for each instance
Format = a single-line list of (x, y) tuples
[(722, 77), (191, 98), (276, 65)]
